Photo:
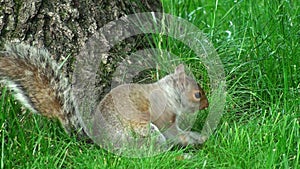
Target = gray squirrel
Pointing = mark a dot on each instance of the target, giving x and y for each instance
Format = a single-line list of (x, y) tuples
[(138, 109)]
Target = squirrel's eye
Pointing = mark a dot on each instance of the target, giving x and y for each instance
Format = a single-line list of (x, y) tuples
[(197, 95)]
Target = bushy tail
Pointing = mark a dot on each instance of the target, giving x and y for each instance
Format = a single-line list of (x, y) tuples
[(37, 82)]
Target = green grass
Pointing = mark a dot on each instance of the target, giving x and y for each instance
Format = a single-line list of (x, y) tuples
[(260, 126)]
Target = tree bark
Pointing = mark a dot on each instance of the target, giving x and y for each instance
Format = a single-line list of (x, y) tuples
[(63, 27)]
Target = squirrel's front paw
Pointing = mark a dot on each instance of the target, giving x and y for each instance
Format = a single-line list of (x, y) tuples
[(197, 138), (193, 138)]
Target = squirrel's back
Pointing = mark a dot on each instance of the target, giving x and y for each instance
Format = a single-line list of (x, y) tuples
[(37, 82)]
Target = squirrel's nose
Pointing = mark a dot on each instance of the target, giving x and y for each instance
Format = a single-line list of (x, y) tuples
[(203, 105)]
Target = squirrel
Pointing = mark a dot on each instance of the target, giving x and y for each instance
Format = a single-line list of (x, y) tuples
[(129, 109)]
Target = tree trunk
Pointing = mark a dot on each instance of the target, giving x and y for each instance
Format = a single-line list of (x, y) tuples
[(63, 27)]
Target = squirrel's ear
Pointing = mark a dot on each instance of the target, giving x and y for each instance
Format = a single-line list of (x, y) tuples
[(179, 69), (182, 79), (180, 73)]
